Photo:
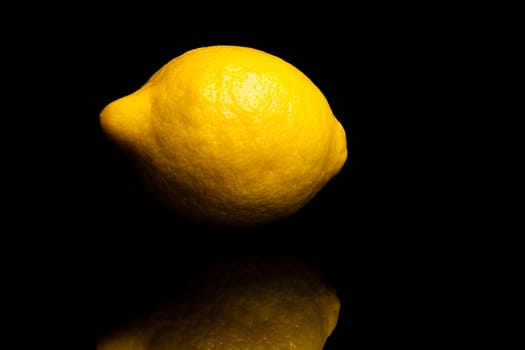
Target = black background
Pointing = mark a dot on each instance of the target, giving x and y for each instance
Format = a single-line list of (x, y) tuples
[(413, 232), (381, 231)]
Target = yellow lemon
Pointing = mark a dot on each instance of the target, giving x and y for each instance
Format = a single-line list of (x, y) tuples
[(245, 304), (229, 135)]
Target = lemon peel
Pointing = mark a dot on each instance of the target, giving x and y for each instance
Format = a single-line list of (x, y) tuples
[(229, 135)]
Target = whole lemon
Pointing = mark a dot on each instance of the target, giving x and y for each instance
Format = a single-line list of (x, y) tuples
[(229, 135)]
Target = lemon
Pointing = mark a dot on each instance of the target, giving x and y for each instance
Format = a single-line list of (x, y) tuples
[(229, 135), (240, 305)]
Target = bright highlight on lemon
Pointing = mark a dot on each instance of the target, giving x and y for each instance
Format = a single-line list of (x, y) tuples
[(229, 135)]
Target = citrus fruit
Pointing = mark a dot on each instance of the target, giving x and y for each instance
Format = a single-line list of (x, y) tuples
[(229, 135), (252, 303)]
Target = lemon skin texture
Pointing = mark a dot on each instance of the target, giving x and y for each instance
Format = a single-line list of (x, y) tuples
[(229, 136)]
